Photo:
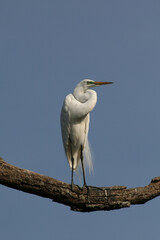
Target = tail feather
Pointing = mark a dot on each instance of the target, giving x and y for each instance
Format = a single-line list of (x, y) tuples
[(88, 156)]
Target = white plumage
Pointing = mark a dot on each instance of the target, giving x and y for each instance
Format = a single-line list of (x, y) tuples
[(75, 123)]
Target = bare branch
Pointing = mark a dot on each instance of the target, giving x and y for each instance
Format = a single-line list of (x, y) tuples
[(79, 199)]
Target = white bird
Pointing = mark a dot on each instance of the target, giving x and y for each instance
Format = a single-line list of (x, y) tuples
[(75, 124)]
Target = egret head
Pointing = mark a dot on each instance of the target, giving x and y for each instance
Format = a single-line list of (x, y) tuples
[(87, 83)]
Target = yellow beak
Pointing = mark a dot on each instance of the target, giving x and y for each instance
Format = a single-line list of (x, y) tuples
[(102, 83)]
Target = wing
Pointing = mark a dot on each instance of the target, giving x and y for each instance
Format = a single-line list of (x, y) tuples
[(65, 125), (74, 127)]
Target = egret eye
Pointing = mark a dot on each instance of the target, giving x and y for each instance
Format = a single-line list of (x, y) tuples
[(90, 82)]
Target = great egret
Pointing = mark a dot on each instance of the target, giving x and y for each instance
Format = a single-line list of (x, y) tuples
[(75, 124)]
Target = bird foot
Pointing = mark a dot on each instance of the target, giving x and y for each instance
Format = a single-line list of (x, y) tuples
[(87, 187), (72, 186)]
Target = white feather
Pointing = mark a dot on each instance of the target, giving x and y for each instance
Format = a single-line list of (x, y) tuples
[(88, 157)]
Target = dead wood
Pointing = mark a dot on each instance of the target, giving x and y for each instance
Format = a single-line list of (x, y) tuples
[(79, 199)]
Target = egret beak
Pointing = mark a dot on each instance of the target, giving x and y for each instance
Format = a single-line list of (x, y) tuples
[(102, 83)]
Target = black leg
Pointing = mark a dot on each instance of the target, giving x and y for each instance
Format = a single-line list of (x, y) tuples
[(72, 172), (83, 167)]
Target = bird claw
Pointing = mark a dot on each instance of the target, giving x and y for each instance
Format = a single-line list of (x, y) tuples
[(87, 187)]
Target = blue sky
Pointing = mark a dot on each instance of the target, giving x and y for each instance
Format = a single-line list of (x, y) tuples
[(46, 48)]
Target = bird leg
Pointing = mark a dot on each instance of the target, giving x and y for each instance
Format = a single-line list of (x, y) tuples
[(72, 173), (83, 167)]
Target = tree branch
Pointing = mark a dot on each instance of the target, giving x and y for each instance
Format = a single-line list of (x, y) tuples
[(79, 199)]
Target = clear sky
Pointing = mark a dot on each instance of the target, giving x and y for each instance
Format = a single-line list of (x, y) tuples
[(46, 48)]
